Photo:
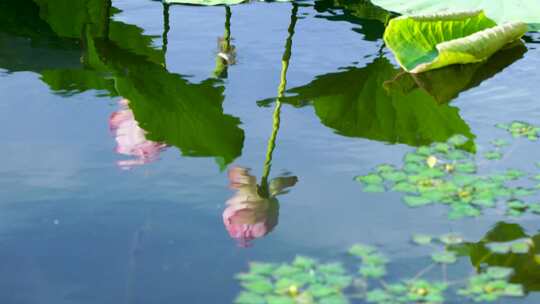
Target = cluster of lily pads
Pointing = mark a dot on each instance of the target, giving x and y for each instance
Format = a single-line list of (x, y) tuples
[(445, 173), (306, 281), (302, 281)]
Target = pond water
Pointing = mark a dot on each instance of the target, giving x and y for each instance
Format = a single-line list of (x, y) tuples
[(127, 129)]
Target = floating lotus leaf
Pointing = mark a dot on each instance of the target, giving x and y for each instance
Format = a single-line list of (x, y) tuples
[(501, 11), (423, 43)]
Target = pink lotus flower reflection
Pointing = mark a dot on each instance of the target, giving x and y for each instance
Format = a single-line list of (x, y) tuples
[(131, 139), (249, 214)]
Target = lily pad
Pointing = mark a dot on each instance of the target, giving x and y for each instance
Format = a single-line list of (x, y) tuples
[(427, 42)]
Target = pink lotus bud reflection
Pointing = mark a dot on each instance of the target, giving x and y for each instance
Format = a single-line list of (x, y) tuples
[(131, 139), (251, 213)]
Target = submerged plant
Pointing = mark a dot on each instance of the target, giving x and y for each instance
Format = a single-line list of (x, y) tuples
[(444, 173)]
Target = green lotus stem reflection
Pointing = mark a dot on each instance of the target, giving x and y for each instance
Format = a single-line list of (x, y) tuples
[(276, 118), (225, 47), (166, 29)]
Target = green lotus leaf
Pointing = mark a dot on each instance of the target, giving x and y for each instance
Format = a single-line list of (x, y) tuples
[(423, 43), (205, 2), (501, 11)]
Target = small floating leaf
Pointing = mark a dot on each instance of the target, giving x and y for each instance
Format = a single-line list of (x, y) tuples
[(370, 179), (261, 268), (457, 140), (451, 239), (535, 208), (468, 167), (361, 250), (373, 271), (500, 248), (320, 290), (249, 298), (259, 286), (394, 176), (514, 174), (303, 262), (520, 247), (499, 143), (422, 239), (493, 155), (405, 187), (331, 268), (385, 168), (416, 201), (444, 257), (374, 188), (495, 272)]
